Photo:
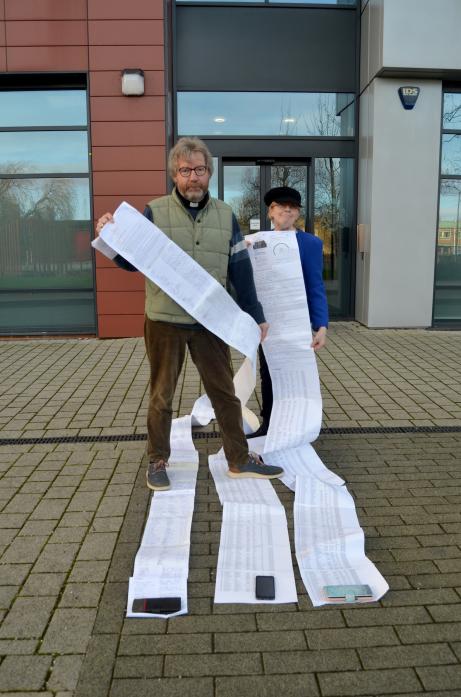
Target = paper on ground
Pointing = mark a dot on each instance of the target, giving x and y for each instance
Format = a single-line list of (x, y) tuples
[(254, 542), (149, 250), (328, 538), (297, 403), (229, 490), (254, 539), (161, 565)]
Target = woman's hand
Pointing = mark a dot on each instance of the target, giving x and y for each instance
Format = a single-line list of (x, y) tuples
[(264, 327), (319, 339), (106, 218)]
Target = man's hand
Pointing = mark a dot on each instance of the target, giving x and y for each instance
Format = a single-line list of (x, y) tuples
[(264, 327), (319, 339), (106, 218)]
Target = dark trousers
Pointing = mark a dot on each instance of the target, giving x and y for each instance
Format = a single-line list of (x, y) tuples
[(267, 398), (166, 350)]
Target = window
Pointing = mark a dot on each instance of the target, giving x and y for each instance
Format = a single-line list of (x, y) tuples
[(266, 114), (447, 296), (292, 2), (46, 272), (333, 223)]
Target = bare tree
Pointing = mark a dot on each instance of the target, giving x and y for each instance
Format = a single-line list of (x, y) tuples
[(55, 201), (324, 122), (33, 211), (452, 109), (451, 153), (246, 206)]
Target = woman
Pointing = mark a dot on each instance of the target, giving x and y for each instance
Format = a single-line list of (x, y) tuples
[(284, 204)]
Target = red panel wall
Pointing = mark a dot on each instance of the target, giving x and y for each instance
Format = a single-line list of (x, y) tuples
[(128, 138), (2, 39), (127, 133)]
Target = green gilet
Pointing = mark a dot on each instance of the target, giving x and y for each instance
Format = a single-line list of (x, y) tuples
[(207, 239)]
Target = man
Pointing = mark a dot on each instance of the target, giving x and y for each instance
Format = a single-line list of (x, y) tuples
[(206, 229)]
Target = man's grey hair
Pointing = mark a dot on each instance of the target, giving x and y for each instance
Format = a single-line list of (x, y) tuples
[(183, 150)]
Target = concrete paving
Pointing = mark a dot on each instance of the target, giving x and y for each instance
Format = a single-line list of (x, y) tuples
[(72, 515)]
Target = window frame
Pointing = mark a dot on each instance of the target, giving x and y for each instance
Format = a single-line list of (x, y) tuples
[(446, 89)]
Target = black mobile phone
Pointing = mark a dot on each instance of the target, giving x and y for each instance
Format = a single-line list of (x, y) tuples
[(157, 606), (265, 587)]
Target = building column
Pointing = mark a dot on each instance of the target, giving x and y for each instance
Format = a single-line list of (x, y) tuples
[(397, 204)]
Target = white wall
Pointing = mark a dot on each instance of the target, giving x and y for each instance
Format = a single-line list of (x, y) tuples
[(422, 34), (398, 187), (409, 35), (365, 178), (371, 41), (399, 155)]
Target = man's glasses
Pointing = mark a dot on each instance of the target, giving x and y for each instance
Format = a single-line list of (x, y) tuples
[(187, 171)]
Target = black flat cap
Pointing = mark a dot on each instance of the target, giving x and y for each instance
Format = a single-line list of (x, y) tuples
[(283, 194)]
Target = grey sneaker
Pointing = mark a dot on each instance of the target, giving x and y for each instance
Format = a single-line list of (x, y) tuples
[(255, 467), (157, 478)]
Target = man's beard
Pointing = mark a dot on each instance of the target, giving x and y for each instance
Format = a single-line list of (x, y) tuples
[(194, 195)]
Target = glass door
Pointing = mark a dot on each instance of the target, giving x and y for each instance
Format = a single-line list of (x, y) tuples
[(326, 185), (244, 184)]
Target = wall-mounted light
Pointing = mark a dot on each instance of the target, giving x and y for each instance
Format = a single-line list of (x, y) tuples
[(133, 82), (219, 119), (289, 119)]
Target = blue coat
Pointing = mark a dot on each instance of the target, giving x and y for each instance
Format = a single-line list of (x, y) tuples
[(311, 253)]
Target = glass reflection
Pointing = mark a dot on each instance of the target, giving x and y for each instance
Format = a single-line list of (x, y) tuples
[(452, 110), (297, 2), (43, 108), (242, 192), (447, 300), (43, 152), (316, 2), (333, 219), (265, 113), (47, 312), (46, 277), (451, 154), (213, 185)]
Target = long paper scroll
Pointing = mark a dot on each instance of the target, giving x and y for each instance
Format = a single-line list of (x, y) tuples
[(254, 537), (328, 539)]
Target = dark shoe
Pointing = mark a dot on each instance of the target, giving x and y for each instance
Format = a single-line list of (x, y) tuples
[(255, 467), (157, 478), (262, 431)]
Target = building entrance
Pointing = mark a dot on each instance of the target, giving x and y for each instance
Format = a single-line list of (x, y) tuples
[(326, 188), (244, 185)]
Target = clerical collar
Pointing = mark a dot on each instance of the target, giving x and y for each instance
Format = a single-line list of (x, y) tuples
[(192, 204)]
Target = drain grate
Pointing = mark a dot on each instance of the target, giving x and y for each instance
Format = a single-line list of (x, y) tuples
[(212, 435), (348, 430)]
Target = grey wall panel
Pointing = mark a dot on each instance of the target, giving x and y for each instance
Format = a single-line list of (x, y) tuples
[(433, 39), (282, 147), (265, 48), (411, 38), (398, 188)]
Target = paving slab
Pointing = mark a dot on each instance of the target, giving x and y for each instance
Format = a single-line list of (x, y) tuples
[(72, 515)]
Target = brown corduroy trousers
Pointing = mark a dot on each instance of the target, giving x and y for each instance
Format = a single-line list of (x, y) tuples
[(166, 350)]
